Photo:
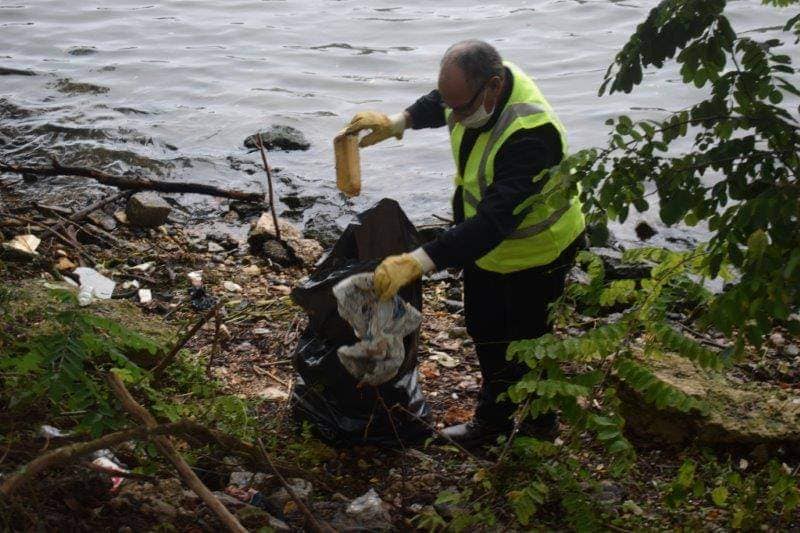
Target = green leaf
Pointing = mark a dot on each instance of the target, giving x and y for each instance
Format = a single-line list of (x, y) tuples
[(719, 496)]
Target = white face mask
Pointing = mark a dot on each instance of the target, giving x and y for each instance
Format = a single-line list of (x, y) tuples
[(479, 118)]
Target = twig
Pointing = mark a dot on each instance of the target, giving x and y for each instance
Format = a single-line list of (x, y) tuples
[(522, 414), (275, 378), (445, 437), (134, 183), (83, 213), (67, 454), (260, 145), (215, 342), (168, 450), (313, 522), (167, 360)]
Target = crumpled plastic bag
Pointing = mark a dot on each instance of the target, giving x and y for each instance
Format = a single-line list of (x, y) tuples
[(381, 326)]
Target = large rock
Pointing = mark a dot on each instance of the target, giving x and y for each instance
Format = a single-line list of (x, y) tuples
[(262, 236), (280, 137), (147, 210), (739, 413), (616, 268)]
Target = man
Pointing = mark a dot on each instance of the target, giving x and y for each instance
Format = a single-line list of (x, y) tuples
[(515, 249)]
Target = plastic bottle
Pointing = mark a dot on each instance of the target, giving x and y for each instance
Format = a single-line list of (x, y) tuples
[(348, 163)]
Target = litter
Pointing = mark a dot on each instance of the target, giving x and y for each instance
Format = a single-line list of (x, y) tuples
[(381, 327), (94, 282)]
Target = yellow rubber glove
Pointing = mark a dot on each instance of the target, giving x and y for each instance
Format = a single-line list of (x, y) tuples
[(395, 272), (381, 126)]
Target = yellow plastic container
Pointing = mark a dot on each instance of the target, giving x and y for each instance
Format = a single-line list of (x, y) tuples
[(348, 163)]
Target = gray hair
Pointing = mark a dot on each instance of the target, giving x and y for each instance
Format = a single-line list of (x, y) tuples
[(477, 59)]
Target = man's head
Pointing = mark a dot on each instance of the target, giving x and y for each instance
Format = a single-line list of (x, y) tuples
[(471, 80)]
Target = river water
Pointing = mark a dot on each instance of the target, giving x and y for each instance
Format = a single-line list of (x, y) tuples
[(180, 84)]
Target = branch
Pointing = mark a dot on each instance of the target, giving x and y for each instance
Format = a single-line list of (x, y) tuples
[(167, 360), (72, 452), (135, 183), (168, 450)]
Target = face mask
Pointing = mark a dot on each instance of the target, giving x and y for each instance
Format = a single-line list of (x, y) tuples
[(479, 118)]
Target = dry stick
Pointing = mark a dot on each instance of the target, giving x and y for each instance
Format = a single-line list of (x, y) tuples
[(167, 360), (83, 213), (168, 450), (67, 454), (314, 523), (445, 437), (260, 144), (517, 423), (134, 183)]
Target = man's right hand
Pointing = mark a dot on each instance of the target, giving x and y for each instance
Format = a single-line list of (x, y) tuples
[(381, 126)]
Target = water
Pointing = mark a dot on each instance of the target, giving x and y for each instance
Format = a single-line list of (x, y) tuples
[(189, 80)]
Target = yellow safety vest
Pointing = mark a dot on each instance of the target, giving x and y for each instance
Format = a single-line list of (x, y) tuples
[(545, 231)]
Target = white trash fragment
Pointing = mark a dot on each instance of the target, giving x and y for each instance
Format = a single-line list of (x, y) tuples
[(51, 432), (273, 394), (144, 267), (132, 284), (145, 296), (381, 326), (102, 287), (446, 360), (232, 287), (85, 295), (22, 247), (369, 509), (196, 278)]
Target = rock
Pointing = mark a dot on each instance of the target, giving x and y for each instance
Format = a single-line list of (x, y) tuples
[(280, 137), (299, 203), (262, 233), (617, 269), (277, 253), (254, 519), (251, 270), (65, 264), (370, 512), (301, 488), (323, 229), (103, 220), (229, 501), (121, 217), (147, 210), (453, 306), (644, 231), (792, 350), (246, 480), (777, 340), (231, 286), (245, 210), (458, 332), (739, 414), (629, 506), (215, 248), (273, 394), (609, 493), (21, 248)]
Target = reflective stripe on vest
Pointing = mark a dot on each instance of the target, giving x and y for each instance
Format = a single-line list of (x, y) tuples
[(544, 231)]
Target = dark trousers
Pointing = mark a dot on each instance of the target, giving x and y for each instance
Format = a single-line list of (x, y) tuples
[(501, 308)]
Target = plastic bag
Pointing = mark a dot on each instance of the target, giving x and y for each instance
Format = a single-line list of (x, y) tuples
[(325, 392), (381, 327)]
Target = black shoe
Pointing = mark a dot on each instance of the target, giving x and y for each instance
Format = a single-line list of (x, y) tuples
[(474, 433)]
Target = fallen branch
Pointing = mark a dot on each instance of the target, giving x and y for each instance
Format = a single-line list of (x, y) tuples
[(313, 522), (167, 360), (72, 452), (260, 145), (134, 183), (168, 450)]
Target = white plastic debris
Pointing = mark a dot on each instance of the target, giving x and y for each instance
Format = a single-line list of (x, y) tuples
[(26, 243), (369, 509), (232, 287), (51, 432), (144, 267), (85, 295), (145, 296), (381, 326), (131, 284), (101, 287), (196, 278)]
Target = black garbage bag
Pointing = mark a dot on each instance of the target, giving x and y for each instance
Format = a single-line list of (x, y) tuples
[(325, 394)]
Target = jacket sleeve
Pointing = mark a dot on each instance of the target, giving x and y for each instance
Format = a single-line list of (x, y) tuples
[(427, 111), (524, 155)]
